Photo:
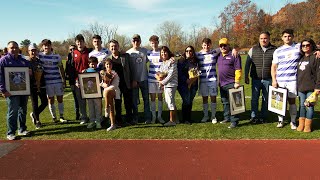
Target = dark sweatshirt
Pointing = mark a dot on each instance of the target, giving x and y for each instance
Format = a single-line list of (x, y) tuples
[(308, 70)]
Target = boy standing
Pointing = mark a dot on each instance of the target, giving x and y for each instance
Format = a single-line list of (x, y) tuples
[(95, 103), (154, 88), (99, 52), (208, 79), (54, 78)]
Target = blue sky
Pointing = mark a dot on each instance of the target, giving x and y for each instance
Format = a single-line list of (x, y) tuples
[(59, 19)]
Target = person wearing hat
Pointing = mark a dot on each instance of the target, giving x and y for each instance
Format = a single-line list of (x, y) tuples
[(139, 73), (229, 77), (36, 68), (17, 104)]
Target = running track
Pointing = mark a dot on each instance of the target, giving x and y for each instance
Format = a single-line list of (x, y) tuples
[(160, 159)]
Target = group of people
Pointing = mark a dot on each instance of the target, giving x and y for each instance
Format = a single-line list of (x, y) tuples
[(156, 72)]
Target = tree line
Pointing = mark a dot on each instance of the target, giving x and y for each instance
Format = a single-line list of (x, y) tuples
[(240, 21)]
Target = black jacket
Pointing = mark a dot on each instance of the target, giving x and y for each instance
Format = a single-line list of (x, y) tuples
[(259, 64)]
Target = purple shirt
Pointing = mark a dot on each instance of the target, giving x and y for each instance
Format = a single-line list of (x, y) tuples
[(227, 66), (9, 61)]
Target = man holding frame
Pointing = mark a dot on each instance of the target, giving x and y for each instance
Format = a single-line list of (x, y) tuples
[(17, 105)]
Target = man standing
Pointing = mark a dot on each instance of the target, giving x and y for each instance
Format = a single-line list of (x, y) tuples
[(259, 63), (80, 58), (54, 78), (99, 52), (229, 77), (154, 88), (70, 75), (284, 73), (121, 64), (17, 105), (139, 73), (208, 79), (38, 77)]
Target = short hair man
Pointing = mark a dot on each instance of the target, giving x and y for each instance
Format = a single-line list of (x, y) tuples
[(139, 73), (17, 105), (121, 64), (70, 73), (37, 90), (154, 88), (208, 79), (284, 73), (54, 78), (259, 61), (229, 77), (80, 58), (99, 52)]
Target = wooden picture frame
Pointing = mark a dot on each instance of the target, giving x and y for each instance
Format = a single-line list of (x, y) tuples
[(90, 85), (277, 100), (237, 101), (17, 80)]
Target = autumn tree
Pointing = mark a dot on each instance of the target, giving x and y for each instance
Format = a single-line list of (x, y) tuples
[(170, 34), (107, 32)]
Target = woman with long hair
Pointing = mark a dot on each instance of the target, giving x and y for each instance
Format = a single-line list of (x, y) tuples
[(188, 73), (307, 77), (168, 79)]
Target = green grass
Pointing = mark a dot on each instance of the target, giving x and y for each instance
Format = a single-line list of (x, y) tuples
[(73, 130)]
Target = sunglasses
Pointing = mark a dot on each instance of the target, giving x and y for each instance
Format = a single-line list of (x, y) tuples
[(223, 45), (135, 40), (189, 50), (306, 45)]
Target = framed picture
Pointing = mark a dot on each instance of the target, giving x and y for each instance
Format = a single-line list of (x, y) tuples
[(17, 80), (236, 99), (89, 85), (277, 100)]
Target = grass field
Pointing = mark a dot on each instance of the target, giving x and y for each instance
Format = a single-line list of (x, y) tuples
[(73, 130)]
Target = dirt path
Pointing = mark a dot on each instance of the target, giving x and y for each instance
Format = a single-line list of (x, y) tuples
[(161, 159)]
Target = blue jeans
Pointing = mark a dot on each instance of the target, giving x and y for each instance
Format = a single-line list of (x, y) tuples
[(187, 95), (257, 86), (144, 87), (17, 111), (306, 112), (224, 93)]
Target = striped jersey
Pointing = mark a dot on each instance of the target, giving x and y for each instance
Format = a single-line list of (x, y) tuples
[(287, 58), (50, 63), (100, 55), (207, 64), (155, 63)]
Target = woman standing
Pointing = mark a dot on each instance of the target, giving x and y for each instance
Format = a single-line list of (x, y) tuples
[(187, 86), (307, 78), (168, 78)]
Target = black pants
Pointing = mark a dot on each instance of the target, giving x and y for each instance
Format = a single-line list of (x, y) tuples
[(34, 100), (127, 96)]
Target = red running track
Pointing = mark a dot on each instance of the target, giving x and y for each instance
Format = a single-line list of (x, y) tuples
[(162, 159)]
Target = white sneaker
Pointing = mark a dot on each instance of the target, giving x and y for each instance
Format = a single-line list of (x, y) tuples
[(83, 121), (280, 124), (161, 120), (204, 119), (112, 127), (170, 123), (11, 137), (23, 133), (293, 126), (214, 120), (63, 120)]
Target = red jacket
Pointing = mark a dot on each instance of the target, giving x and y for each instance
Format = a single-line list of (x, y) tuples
[(80, 61)]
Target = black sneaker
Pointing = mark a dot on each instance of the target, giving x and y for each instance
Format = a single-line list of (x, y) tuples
[(55, 120), (254, 120), (38, 125), (233, 125)]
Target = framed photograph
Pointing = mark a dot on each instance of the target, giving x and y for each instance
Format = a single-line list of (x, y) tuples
[(277, 100), (89, 85), (237, 102), (17, 80)]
